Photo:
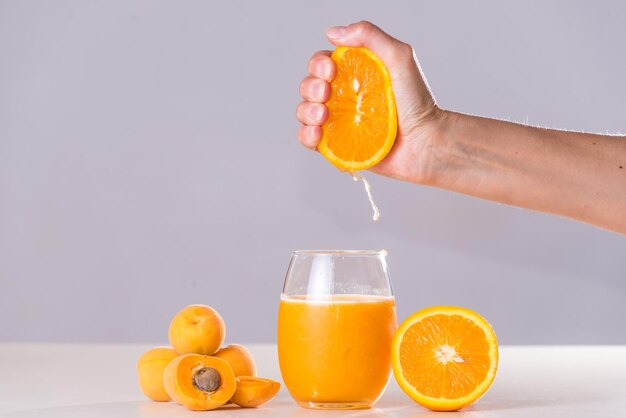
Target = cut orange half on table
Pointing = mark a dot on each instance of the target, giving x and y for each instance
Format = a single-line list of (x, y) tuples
[(445, 357), (362, 118)]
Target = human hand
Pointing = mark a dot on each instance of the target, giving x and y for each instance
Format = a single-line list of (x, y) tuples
[(419, 119)]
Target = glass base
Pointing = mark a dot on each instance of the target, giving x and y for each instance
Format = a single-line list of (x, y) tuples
[(334, 405)]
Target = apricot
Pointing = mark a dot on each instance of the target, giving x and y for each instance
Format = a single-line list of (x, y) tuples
[(239, 359), (197, 329), (150, 368), (254, 391), (199, 382)]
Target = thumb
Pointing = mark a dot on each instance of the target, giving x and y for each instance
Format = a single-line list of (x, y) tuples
[(389, 49)]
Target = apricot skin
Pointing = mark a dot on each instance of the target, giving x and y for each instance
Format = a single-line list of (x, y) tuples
[(150, 368), (239, 359), (254, 391), (178, 380), (197, 329)]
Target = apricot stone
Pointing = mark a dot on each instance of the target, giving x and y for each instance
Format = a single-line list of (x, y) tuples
[(197, 329), (199, 382), (239, 359), (150, 368)]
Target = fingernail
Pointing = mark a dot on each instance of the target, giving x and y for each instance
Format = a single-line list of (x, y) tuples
[(318, 90), (323, 70), (336, 32), (316, 112)]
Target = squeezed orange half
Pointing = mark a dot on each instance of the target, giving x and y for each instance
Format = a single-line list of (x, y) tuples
[(362, 118), (335, 352)]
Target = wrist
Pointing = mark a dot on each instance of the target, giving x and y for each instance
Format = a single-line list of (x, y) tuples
[(433, 148)]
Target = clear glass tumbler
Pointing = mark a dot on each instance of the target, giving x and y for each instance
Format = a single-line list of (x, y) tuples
[(336, 321)]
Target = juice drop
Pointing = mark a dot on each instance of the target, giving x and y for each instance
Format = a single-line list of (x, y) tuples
[(356, 176)]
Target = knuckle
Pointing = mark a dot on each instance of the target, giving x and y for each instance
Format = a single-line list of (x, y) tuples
[(406, 49), (321, 53), (305, 87), (315, 63), (403, 51), (316, 108), (302, 134), (300, 110), (363, 28), (323, 88), (314, 87), (302, 88), (311, 65)]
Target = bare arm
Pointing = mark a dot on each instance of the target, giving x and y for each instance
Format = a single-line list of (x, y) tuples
[(577, 175)]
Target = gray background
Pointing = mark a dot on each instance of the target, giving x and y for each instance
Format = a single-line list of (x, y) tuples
[(148, 160)]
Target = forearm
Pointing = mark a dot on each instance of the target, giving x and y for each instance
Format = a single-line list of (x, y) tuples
[(577, 175)]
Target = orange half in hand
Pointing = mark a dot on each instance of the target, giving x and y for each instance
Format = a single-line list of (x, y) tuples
[(362, 118), (445, 357)]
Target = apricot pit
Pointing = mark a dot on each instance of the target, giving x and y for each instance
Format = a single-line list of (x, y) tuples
[(207, 379), (199, 382)]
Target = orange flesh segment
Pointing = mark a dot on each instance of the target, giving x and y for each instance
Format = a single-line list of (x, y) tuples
[(362, 122), (440, 379), (445, 357)]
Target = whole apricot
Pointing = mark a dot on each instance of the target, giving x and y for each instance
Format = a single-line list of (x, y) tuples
[(199, 382), (150, 368), (254, 391), (197, 329), (239, 359)]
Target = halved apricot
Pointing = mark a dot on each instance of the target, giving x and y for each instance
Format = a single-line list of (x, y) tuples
[(239, 359), (150, 368), (199, 382), (254, 391), (197, 329)]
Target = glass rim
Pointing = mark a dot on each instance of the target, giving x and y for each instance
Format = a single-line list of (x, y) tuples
[(341, 252)]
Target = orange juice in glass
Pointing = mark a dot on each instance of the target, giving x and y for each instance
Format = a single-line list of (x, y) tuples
[(336, 320)]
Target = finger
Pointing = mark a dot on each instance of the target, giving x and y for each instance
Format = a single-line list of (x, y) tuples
[(322, 66), (315, 89), (310, 136), (323, 52), (311, 113), (366, 34)]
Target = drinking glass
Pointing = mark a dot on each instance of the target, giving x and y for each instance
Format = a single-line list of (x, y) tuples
[(336, 321)]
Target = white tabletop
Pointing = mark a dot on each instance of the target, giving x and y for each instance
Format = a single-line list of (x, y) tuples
[(92, 381)]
